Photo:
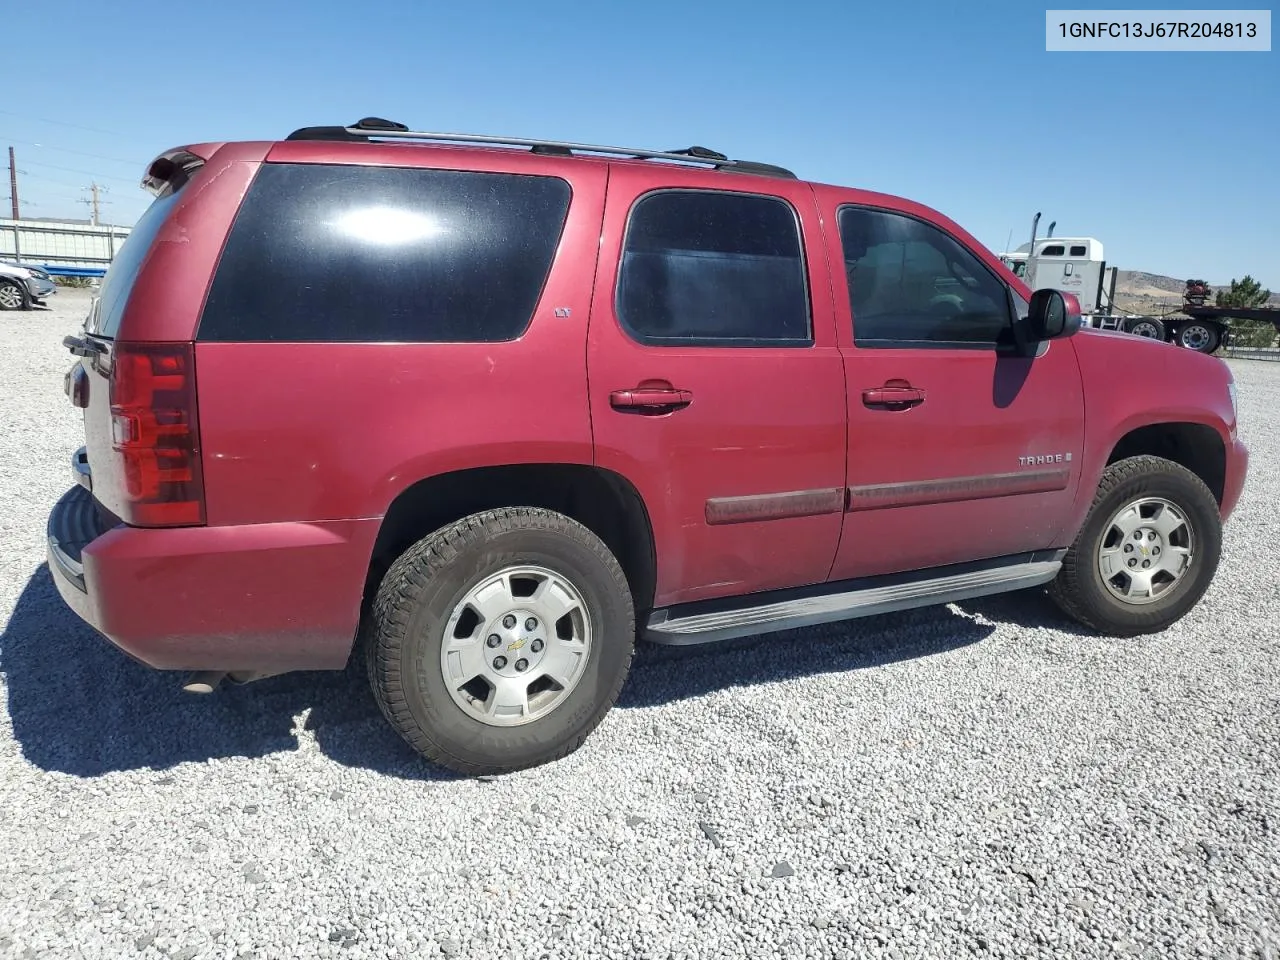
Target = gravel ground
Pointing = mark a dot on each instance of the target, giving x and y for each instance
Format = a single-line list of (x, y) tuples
[(973, 780)]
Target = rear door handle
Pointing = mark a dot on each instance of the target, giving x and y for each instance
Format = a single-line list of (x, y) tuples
[(892, 398), (650, 399)]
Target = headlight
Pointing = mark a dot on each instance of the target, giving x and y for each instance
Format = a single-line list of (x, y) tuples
[(1235, 403)]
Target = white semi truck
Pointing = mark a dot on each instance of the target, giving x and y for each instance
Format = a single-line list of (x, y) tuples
[(1077, 265)]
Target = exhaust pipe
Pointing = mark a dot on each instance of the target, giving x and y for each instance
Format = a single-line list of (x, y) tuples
[(205, 681)]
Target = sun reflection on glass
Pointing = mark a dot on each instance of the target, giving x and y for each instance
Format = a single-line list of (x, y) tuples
[(388, 226)]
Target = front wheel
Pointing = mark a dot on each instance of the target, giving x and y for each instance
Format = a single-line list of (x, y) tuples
[(1146, 553), (12, 296), (500, 641)]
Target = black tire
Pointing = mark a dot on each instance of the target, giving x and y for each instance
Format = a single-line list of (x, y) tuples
[(1079, 590), (1195, 332), (9, 287), (1149, 327), (421, 589)]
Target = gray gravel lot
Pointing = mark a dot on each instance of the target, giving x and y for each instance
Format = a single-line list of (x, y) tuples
[(973, 780)]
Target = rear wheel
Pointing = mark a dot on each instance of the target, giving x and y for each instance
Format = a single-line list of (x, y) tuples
[(1199, 337), (1147, 552), (12, 296), (501, 641)]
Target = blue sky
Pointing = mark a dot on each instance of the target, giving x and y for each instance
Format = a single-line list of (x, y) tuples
[(1171, 159)]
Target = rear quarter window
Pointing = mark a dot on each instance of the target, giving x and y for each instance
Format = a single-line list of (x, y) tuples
[(325, 252), (120, 277)]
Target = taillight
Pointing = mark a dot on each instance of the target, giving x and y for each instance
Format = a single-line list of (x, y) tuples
[(155, 430)]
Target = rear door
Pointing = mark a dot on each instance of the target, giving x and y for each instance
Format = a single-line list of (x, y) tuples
[(958, 450), (715, 383)]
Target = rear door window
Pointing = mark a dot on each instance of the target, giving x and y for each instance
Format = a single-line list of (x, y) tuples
[(324, 252), (702, 267)]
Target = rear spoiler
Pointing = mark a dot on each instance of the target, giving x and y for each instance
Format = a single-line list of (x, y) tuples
[(172, 168)]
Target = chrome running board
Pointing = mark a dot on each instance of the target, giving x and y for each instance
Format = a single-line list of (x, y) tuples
[(710, 621)]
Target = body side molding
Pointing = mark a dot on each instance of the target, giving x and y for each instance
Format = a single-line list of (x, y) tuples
[(914, 493), (774, 506)]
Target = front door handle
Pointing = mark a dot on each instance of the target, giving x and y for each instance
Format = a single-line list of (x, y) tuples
[(892, 398), (650, 399)]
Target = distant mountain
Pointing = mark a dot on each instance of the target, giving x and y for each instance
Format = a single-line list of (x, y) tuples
[(1142, 287), (1136, 283)]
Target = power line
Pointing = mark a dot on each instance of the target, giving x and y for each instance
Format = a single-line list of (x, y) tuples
[(80, 153), (44, 179), (88, 173), (142, 196), (63, 123)]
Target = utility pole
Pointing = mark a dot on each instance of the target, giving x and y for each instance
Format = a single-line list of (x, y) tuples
[(13, 184), (95, 202)]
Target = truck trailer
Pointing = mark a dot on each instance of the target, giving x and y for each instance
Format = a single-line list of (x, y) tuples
[(1078, 265)]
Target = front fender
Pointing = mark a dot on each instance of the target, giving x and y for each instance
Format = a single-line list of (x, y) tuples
[(1132, 382)]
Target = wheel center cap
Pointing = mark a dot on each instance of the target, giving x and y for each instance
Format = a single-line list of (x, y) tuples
[(1149, 543), (522, 643)]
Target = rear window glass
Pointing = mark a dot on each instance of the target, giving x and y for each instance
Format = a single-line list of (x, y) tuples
[(344, 253), (123, 271)]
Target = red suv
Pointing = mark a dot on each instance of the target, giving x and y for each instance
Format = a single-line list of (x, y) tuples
[(484, 409)]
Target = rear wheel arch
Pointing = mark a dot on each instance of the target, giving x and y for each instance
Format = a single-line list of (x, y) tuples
[(603, 501)]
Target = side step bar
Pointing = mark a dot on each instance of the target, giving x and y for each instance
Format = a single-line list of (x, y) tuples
[(711, 621)]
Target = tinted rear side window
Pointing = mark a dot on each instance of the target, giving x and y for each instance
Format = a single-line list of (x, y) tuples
[(123, 271), (346, 253), (713, 268)]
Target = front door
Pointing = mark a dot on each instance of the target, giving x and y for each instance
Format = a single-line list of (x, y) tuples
[(958, 450), (716, 386)]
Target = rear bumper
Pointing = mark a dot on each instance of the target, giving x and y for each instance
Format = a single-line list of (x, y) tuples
[(267, 597), (1237, 470)]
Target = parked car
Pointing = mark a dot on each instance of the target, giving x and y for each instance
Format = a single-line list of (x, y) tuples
[(22, 284), (599, 392)]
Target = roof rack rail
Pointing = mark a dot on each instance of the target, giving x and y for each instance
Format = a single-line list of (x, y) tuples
[(375, 128)]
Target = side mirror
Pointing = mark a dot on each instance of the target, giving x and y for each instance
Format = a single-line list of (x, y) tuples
[(1052, 314)]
